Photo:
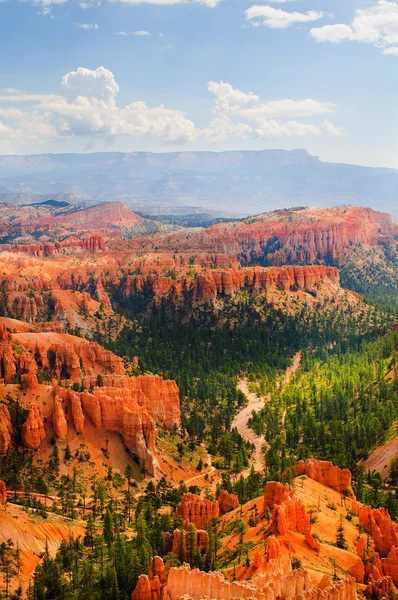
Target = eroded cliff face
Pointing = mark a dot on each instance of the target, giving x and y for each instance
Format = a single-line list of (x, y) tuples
[(209, 284), (111, 400), (303, 236)]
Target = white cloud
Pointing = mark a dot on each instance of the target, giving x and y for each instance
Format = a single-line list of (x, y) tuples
[(99, 84), (89, 3), (377, 25), (209, 3), (86, 26), (243, 115), (157, 2), (333, 130), (276, 18), (88, 109), (391, 51), (139, 33)]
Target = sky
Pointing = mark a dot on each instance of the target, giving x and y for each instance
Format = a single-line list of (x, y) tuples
[(171, 75)]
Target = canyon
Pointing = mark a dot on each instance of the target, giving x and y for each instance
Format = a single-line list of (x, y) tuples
[(79, 287)]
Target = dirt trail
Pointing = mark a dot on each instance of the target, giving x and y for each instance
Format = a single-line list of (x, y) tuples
[(255, 404)]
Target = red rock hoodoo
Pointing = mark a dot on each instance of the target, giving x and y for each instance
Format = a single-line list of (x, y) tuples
[(198, 511)]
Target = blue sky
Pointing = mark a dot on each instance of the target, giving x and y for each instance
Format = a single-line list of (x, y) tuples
[(217, 74)]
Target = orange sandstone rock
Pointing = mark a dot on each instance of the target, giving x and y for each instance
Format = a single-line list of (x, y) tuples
[(198, 511), (288, 512), (227, 502), (381, 588), (377, 522), (33, 432), (5, 430), (77, 411), (390, 564), (358, 571), (3, 492), (60, 424), (325, 473), (147, 589)]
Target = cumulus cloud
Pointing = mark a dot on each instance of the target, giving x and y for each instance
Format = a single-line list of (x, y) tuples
[(276, 18), (88, 108), (99, 84), (377, 25), (243, 115)]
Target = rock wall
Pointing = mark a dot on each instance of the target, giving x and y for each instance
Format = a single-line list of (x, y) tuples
[(209, 284), (92, 243), (325, 473)]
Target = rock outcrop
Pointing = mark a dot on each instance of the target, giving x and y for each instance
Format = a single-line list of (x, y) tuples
[(180, 541), (198, 511), (377, 522), (326, 473), (227, 502), (381, 588), (33, 432), (5, 430), (3, 492), (8, 367), (288, 512)]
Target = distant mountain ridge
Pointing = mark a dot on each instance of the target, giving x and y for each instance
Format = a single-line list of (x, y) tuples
[(233, 183)]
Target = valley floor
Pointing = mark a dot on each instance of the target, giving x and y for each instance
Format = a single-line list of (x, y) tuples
[(255, 404)]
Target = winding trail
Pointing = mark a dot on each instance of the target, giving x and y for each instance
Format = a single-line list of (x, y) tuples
[(255, 404)]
